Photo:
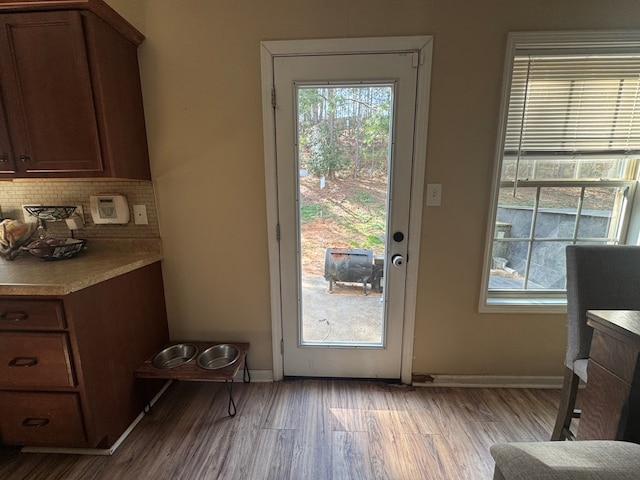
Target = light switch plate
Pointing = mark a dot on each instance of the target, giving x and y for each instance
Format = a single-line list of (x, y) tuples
[(140, 215), (434, 194)]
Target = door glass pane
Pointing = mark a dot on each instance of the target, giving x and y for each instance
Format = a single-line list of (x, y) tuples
[(343, 153)]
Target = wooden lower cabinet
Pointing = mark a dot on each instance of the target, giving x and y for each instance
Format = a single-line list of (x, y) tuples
[(67, 363), (35, 418), (35, 360)]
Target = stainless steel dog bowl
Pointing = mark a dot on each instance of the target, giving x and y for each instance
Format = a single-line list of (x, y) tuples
[(175, 355), (218, 356)]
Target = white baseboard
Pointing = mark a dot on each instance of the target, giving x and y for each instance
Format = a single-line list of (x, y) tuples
[(98, 451), (487, 381), (470, 381), (257, 376)]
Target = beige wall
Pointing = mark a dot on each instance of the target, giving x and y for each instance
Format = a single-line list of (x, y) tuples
[(201, 79)]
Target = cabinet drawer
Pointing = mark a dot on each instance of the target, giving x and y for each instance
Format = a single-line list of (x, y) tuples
[(38, 360), (41, 419), (31, 315), (617, 357)]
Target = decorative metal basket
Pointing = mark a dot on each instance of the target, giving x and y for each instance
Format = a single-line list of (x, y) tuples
[(50, 213), (56, 248)]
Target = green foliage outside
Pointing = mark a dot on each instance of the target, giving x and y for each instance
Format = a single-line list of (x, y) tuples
[(344, 130), (310, 212), (344, 136), (362, 219)]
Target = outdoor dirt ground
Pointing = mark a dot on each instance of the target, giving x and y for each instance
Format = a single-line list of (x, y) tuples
[(346, 314), (324, 232)]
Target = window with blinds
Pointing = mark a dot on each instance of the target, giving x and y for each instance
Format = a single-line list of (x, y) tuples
[(567, 162), (564, 108)]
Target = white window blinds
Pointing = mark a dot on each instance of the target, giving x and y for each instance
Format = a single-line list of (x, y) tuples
[(573, 105)]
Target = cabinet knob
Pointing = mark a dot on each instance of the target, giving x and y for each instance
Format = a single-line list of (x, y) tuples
[(25, 158), (4, 159)]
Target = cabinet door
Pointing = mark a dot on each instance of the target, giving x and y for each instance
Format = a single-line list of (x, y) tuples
[(46, 87), (46, 419), (35, 360), (30, 314), (605, 406), (7, 163)]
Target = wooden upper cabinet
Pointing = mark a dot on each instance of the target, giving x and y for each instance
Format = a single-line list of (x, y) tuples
[(47, 93), (70, 88), (7, 164)]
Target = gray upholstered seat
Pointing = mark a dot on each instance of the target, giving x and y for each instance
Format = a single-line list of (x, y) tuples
[(588, 460), (599, 277)]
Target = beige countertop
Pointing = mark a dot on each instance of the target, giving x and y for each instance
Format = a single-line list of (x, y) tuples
[(103, 259)]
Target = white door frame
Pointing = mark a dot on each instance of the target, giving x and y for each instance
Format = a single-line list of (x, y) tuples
[(423, 47)]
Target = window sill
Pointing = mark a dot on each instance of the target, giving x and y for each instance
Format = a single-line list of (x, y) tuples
[(523, 305)]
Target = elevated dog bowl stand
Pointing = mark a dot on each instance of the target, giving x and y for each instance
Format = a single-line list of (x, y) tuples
[(191, 371)]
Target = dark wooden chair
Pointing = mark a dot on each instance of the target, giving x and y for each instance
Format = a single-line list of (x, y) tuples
[(599, 277)]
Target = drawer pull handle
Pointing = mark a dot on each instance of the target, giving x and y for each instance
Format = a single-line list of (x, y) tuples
[(35, 422), (23, 362), (14, 316)]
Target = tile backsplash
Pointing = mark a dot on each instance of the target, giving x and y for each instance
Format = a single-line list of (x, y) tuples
[(14, 194)]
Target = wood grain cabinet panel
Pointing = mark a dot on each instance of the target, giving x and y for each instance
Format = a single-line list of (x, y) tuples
[(31, 315), (35, 360), (611, 400), (71, 98), (614, 355), (605, 407), (41, 419), (7, 163), (48, 93)]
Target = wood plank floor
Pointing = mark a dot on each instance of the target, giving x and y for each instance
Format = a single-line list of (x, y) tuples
[(308, 430)]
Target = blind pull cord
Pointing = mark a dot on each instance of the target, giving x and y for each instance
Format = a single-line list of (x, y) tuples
[(520, 140)]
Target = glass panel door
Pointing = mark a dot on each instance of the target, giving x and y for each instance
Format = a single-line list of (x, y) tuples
[(344, 150), (343, 147)]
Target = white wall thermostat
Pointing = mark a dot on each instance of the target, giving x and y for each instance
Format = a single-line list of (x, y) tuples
[(112, 209)]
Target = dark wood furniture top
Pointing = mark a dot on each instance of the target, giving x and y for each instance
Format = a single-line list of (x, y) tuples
[(622, 324), (611, 399)]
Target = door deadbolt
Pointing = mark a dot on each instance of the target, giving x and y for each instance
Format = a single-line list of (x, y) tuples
[(398, 236)]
